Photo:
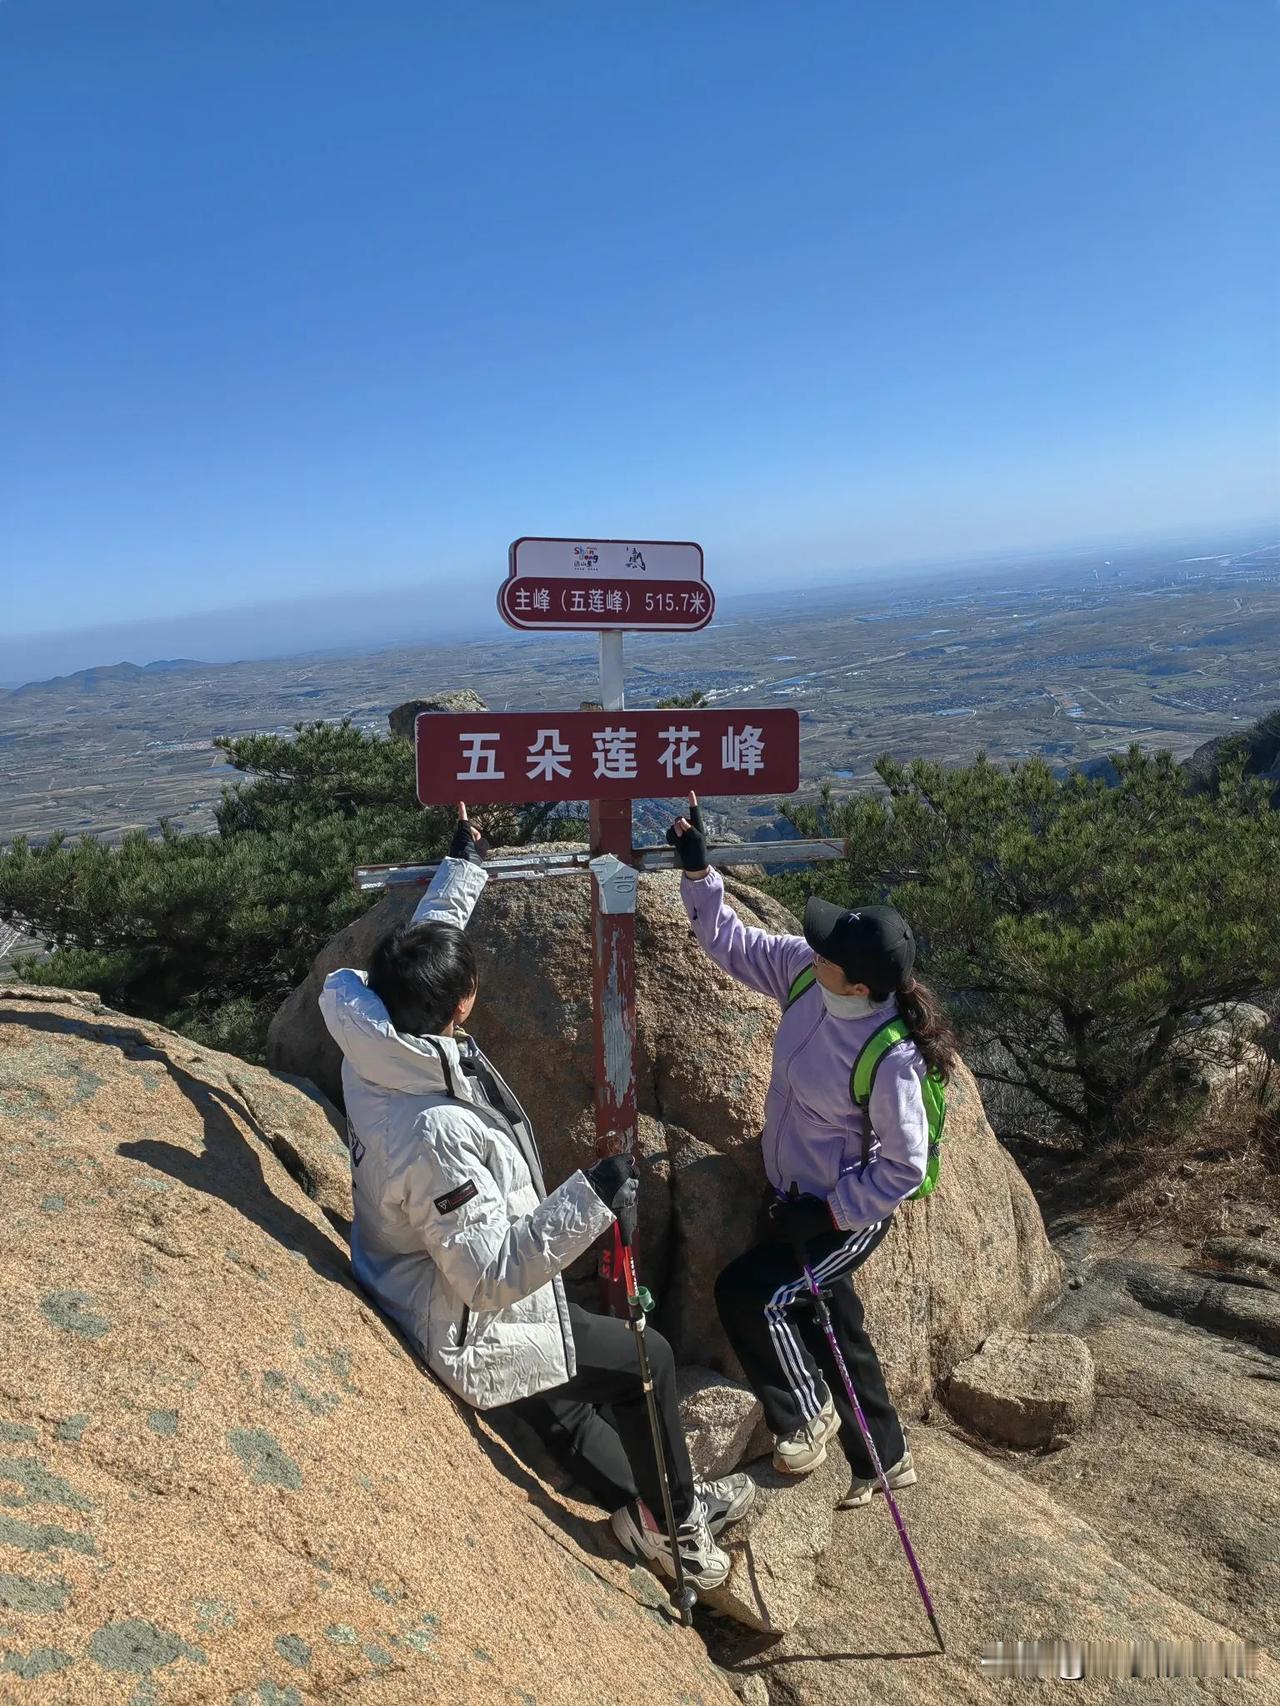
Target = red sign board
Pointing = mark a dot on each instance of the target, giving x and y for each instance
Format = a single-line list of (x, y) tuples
[(606, 583), (488, 757)]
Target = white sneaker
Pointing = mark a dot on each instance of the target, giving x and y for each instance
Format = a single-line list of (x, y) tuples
[(727, 1500), (705, 1565), (903, 1474), (798, 1453)]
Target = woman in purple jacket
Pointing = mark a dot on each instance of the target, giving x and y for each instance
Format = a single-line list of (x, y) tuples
[(831, 1196)]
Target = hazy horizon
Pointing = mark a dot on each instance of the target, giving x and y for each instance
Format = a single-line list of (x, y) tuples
[(384, 617)]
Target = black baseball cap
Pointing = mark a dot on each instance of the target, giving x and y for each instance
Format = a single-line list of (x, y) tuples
[(872, 945)]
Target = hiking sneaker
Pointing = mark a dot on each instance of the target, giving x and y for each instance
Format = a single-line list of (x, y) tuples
[(705, 1565), (726, 1500), (903, 1474), (806, 1448)]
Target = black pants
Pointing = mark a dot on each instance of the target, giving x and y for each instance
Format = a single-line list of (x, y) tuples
[(613, 1454), (784, 1351)]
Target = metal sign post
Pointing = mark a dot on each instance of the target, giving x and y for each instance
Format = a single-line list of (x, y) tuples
[(613, 974), (613, 936)]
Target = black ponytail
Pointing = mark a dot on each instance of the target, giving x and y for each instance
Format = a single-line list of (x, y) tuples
[(930, 1029)]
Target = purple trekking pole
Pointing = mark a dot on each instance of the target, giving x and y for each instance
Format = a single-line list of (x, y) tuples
[(824, 1315)]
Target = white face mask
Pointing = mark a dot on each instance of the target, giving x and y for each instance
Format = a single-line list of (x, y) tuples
[(848, 1006)]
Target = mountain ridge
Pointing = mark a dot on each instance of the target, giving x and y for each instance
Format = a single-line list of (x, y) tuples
[(89, 680)]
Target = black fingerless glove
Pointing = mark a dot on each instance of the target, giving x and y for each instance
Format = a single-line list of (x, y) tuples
[(466, 846), (615, 1181), (616, 1184), (690, 844), (609, 1174)]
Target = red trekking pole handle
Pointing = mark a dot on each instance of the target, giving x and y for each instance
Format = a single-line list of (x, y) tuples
[(615, 1275)]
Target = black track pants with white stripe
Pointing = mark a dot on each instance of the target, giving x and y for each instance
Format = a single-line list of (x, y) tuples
[(784, 1352), (612, 1453)]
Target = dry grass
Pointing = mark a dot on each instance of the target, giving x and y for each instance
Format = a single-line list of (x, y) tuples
[(1218, 1173)]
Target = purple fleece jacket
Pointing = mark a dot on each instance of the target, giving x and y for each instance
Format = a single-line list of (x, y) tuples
[(812, 1130)]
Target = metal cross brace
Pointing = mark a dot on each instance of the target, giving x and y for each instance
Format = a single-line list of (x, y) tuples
[(528, 867)]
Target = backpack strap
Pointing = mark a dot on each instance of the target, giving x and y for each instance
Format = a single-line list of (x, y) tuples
[(872, 1052), (800, 983), (863, 1078)]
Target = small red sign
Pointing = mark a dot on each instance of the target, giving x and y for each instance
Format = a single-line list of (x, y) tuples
[(488, 757), (536, 602)]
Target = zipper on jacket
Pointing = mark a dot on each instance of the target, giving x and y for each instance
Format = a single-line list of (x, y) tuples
[(463, 1325), (786, 1106)]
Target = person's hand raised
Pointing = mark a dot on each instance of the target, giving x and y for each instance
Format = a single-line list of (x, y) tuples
[(687, 837), (468, 841)]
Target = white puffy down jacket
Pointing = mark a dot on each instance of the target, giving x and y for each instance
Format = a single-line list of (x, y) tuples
[(453, 1232)]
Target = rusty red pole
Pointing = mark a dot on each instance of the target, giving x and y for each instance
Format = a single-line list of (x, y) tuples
[(613, 972)]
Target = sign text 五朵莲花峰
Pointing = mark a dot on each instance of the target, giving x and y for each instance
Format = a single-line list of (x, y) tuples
[(593, 755)]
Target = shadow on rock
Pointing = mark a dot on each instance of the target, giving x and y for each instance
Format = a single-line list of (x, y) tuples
[(746, 1654)]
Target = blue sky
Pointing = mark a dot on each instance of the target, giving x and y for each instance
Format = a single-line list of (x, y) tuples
[(300, 301)]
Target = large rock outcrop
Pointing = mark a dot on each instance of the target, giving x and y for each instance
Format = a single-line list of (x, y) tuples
[(403, 718), (1180, 1466), (960, 1265), (1258, 745), (222, 1476)]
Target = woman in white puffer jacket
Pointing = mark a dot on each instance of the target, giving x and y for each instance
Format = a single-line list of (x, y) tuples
[(456, 1236)]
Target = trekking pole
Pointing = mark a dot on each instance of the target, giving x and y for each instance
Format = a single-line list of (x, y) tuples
[(683, 1598), (824, 1316)]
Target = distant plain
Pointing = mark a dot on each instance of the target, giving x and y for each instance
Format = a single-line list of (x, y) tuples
[(1067, 658)]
